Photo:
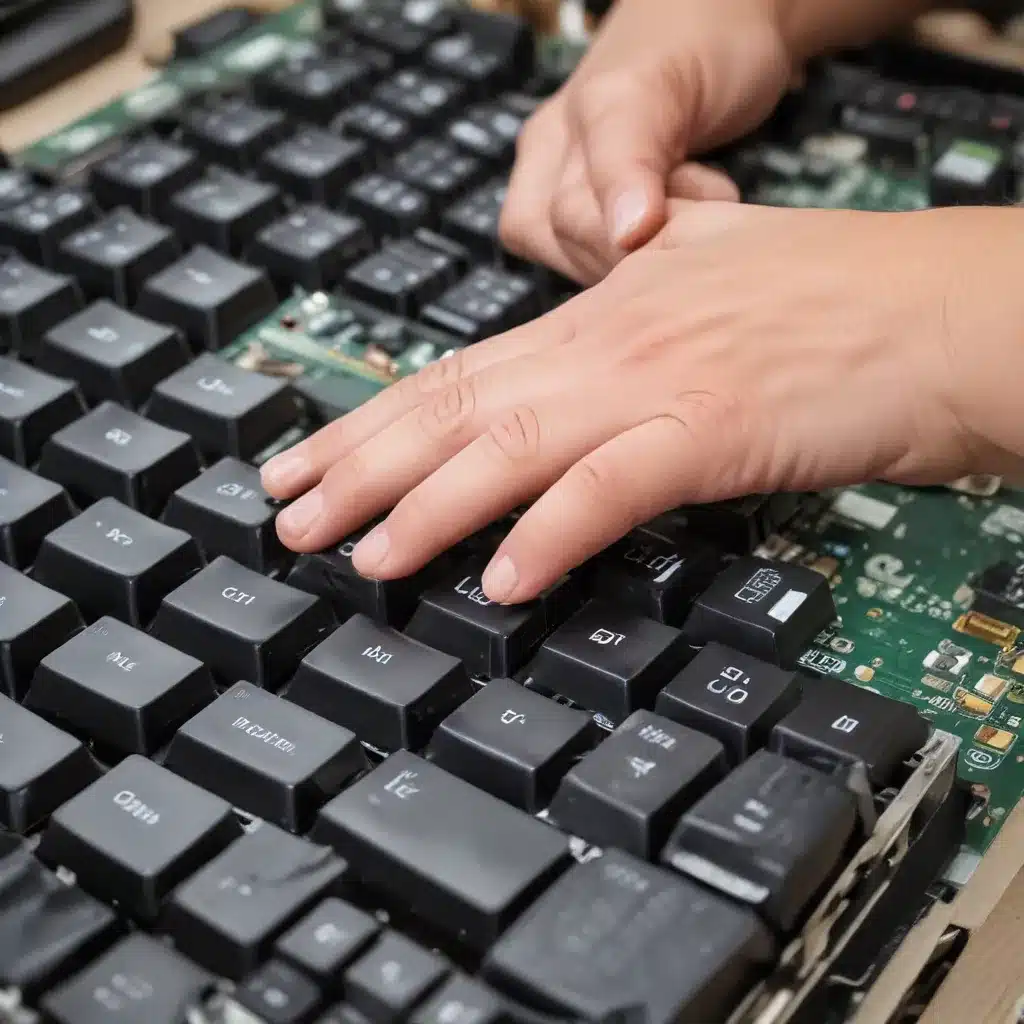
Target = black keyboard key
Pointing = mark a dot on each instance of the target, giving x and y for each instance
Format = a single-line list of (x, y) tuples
[(32, 300), (112, 354), (315, 87), (731, 696), (140, 981), (113, 257), (224, 210), (630, 791), (488, 131), (144, 175), (266, 755), (402, 276), (489, 50), (468, 862), (119, 687), (40, 767), (739, 525), (382, 128), (228, 915), (315, 165), (114, 452), (327, 939), (392, 692), (34, 621), (513, 743), (691, 956), (460, 1000), (16, 186), (836, 723), (30, 507), (438, 168), (771, 610), (278, 994), (227, 512), (397, 26), (226, 410), (386, 983), (771, 835), (48, 929), (33, 405), (242, 624), (37, 226), (232, 131), (474, 220), (491, 639), (136, 833), (489, 301), (388, 205), (311, 247), (423, 97)]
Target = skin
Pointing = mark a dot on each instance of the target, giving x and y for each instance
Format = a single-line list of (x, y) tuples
[(736, 350)]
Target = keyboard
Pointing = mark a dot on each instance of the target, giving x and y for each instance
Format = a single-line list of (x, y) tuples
[(704, 778)]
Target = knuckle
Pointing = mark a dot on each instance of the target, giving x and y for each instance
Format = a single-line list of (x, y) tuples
[(516, 435), (439, 375), (449, 410), (604, 92)]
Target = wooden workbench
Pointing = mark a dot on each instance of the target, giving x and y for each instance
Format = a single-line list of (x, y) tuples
[(988, 979)]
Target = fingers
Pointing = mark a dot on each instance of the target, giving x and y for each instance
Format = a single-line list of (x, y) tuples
[(700, 182), (579, 226)]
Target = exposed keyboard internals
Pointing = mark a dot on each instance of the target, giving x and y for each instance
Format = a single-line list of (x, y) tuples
[(239, 786)]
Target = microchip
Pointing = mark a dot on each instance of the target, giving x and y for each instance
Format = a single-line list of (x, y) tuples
[(999, 593)]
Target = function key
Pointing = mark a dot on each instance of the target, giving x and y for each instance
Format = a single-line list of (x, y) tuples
[(630, 791), (387, 982), (422, 97), (771, 835), (474, 220), (513, 743), (112, 354), (489, 51), (438, 168), (732, 696), (30, 507), (115, 561), (33, 405), (609, 659), (324, 941), (37, 226), (388, 205), (314, 165), (223, 210), (114, 452), (16, 186), (311, 247), (232, 131), (119, 687), (392, 692), (244, 625), (770, 610), (136, 833), (144, 176), (316, 87), (380, 127), (488, 301), (32, 300), (402, 276), (488, 131), (277, 994), (211, 298)]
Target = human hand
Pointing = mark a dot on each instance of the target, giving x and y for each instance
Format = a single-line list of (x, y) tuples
[(744, 350), (664, 79)]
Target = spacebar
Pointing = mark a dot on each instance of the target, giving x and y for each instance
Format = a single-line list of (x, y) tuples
[(457, 856)]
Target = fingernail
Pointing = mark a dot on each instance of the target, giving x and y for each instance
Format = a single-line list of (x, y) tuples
[(628, 212), (371, 550), (283, 470), (500, 579), (300, 515)]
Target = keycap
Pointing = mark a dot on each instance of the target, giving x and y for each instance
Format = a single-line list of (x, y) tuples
[(421, 96), (40, 767), (48, 929), (228, 914), (397, 27), (389, 980), (460, 1000), (112, 560), (491, 639), (402, 276), (631, 789), (731, 696), (691, 955), (211, 298), (232, 131), (144, 175), (226, 511), (488, 301), (311, 247), (209, 34), (112, 354), (136, 833), (739, 525), (227, 410), (488, 131), (36, 226), (839, 723), (467, 861), (392, 692), (316, 86), (32, 300), (489, 50), (327, 939), (315, 165), (438, 168), (473, 220), (388, 206), (278, 994), (119, 687), (30, 507), (112, 257), (771, 835), (16, 186), (34, 620), (771, 610), (266, 755), (223, 210), (33, 405), (140, 981), (242, 624), (382, 128), (512, 743)]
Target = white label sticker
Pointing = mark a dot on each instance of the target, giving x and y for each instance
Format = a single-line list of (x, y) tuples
[(786, 605), (864, 509)]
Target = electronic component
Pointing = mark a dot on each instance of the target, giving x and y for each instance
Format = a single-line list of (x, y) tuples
[(948, 658), (999, 593), (982, 627), (991, 686), (998, 739), (972, 704), (970, 173)]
